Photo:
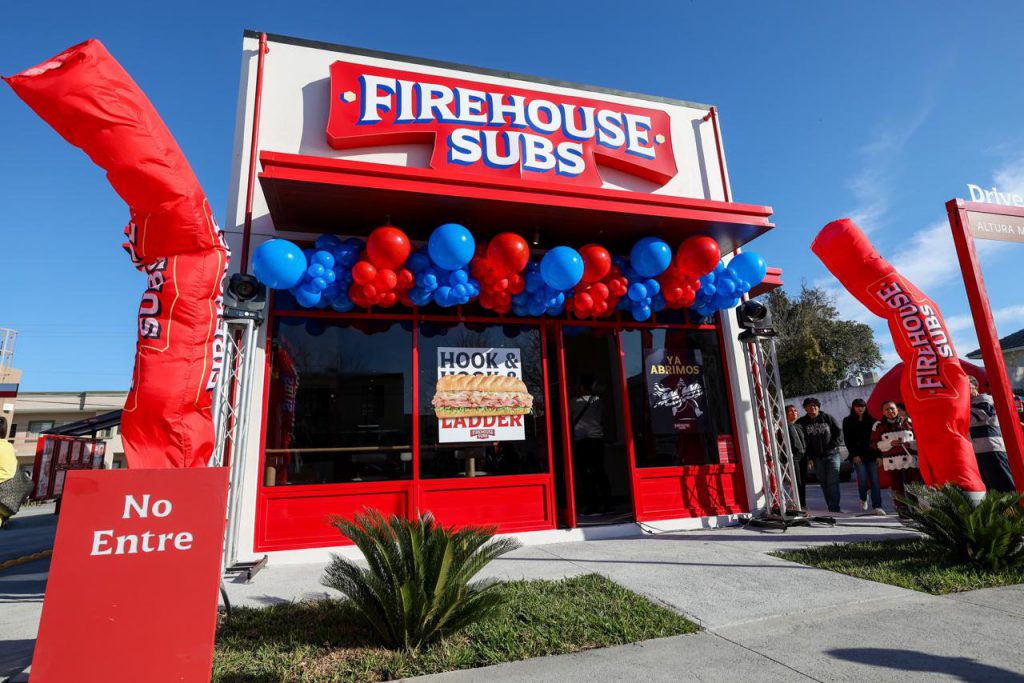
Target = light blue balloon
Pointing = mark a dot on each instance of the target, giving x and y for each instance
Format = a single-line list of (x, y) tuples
[(749, 267), (562, 268), (324, 258), (451, 246), (307, 298), (636, 292), (279, 264), (653, 286), (315, 270), (458, 277), (650, 257), (317, 283)]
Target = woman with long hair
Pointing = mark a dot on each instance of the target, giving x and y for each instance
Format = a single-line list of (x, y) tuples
[(857, 435)]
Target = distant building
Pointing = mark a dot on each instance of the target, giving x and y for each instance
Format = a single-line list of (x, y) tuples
[(37, 412), (1013, 356)]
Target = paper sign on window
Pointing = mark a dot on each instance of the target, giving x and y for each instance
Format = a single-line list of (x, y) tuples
[(675, 387), (480, 395)]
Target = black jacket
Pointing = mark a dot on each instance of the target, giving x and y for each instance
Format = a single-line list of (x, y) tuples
[(823, 434), (797, 440), (857, 435)]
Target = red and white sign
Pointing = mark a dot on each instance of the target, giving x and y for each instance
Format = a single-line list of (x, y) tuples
[(133, 584), (483, 128), (464, 360)]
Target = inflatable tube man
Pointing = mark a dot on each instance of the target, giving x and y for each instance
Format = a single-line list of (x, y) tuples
[(934, 386), (85, 95)]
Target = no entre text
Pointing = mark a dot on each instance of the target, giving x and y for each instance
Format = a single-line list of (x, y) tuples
[(105, 542)]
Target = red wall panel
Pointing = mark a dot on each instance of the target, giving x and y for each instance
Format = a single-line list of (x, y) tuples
[(675, 492), (297, 517), (519, 503)]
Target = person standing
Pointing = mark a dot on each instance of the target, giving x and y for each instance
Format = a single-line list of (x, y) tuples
[(824, 437), (588, 448), (987, 439), (8, 469), (857, 428), (798, 443), (893, 437)]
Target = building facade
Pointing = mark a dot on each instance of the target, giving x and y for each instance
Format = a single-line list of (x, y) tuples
[(342, 416)]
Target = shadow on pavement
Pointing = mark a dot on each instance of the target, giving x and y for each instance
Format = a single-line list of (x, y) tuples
[(24, 583), (965, 668)]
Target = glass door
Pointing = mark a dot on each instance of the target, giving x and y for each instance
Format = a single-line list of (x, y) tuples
[(594, 431)]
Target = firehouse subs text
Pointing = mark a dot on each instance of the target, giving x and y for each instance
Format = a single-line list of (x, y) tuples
[(923, 329)]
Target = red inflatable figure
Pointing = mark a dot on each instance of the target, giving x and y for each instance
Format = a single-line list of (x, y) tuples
[(934, 385), (87, 97)]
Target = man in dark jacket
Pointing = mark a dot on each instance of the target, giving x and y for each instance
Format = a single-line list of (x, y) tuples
[(823, 437), (799, 445), (987, 439)]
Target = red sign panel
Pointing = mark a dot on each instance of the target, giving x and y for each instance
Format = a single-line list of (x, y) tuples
[(132, 591), (483, 128)]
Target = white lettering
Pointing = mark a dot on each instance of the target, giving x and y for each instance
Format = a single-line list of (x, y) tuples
[(182, 539), (99, 542), (141, 510), (162, 508)]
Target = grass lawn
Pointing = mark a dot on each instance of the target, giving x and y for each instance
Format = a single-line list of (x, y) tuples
[(908, 563), (319, 641)]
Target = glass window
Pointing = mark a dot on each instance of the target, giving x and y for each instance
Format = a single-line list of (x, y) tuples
[(677, 396), (340, 403), (37, 427), (463, 442)]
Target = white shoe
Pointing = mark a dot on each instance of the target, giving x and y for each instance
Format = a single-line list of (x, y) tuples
[(880, 512), (864, 505)]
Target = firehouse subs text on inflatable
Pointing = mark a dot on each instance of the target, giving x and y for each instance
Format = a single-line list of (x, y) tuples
[(924, 332), (483, 128)]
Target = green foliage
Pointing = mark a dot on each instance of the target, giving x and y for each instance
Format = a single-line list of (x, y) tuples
[(324, 640), (417, 587), (817, 350), (989, 535), (911, 563)]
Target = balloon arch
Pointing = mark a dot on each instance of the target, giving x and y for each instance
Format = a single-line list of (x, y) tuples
[(451, 269)]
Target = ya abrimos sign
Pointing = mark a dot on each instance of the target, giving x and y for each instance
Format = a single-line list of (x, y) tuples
[(483, 128)]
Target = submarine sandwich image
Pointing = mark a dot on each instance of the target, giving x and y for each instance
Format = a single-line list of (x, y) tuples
[(481, 396)]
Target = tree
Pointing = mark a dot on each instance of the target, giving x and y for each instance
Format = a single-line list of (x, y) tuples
[(817, 350)]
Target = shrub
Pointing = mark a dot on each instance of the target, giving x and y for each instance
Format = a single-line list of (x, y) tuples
[(989, 535), (417, 587)]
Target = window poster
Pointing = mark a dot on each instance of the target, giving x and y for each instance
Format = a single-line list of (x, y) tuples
[(675, 389), (480, 395)]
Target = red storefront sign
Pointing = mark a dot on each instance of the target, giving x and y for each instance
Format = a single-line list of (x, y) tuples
[(132, 590), (483, 128)]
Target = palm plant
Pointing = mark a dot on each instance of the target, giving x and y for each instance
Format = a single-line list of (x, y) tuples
[(989, 535), (417, 587)]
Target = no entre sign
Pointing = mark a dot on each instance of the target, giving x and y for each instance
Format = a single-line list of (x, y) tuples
[(136, 566)]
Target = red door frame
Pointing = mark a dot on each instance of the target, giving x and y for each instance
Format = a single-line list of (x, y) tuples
[(988, 337)]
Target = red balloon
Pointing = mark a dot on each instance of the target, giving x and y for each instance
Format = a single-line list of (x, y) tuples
[(599, 291), (584, 302), (385, 280), (508, 253), (388, 299), (698, 256), (596, 262), (388, 247), (405, 279), (363, 272)]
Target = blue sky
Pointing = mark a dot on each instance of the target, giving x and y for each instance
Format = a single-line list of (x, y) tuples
[(877, 110)]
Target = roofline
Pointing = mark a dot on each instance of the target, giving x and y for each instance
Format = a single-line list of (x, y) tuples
[(335, 47)]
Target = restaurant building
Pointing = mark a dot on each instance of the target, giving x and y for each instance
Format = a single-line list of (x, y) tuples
[(341, 415)]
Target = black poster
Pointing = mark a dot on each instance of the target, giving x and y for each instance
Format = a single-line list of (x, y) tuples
[(675, 389)]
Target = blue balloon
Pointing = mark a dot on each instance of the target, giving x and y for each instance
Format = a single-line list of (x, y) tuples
[(657, 303), (420, 296), (342, 305), (315, 270), (460, 290), (443, 296), (749, 267), (451, 246), (327, 242), (458, 277), (330, 276), (653, 286), (562, 268), (307, 298), (317, 283), (278, 264), (354, 243), (331, 292), (324, 258), (650, 257), (536, 308), (636, 291), (346, 255), (418, 262), (641, 313), (725, 287)]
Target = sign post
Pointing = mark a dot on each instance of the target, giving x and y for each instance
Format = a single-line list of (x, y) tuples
[(134, 579), (969, 220)]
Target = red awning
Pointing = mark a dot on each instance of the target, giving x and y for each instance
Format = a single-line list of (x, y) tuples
[(315, 194)]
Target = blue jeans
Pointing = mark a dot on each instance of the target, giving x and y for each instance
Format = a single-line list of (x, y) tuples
[(826, 469), (867, 472)]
